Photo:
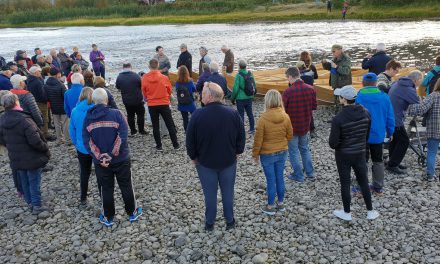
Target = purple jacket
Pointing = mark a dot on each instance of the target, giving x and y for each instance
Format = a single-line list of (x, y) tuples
[(96, 63)]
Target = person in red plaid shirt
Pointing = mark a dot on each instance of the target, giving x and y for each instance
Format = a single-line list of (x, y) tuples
[(299, 102)]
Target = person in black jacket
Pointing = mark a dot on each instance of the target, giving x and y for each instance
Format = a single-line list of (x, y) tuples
[(185, 58), (214, 138), (348, 137), (55, 95), (376, 62), (130, 83), (27, 149)]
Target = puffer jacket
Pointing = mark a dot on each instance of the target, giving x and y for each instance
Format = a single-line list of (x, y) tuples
[(350, 130), (35, 86), (55, 95), (27, 148), (274, 130), (341, 75), (28, 103)]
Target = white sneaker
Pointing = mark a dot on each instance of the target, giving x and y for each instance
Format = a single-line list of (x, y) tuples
[(342, 215), (373, 214)]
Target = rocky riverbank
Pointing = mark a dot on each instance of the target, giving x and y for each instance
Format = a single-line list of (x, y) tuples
[(171, 229)]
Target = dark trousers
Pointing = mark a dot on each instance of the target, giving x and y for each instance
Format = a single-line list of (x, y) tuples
[(100, 71), (85, 169), (210, 180), (165, 112), (185, 118), (122, 172), (398, 146), (139, 111), (45, 113), (246, 105), (375, 151), (17, 181), (312, 124), (345, 163)]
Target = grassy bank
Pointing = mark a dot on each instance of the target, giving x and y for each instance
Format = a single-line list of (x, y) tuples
[(234, 12)]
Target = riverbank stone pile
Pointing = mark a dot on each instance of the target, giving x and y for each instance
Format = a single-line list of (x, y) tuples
[(171, 228)]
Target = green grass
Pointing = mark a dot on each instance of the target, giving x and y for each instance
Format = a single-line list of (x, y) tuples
[(216, 11)]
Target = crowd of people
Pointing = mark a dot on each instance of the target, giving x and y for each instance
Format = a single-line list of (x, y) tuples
[(61, 89)]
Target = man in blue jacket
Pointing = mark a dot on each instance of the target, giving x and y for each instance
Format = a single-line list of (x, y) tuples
[(376, 63), (105, 133), (402, 94), (5, 75), (382, 121)]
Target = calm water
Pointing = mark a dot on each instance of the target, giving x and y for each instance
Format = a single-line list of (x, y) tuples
[(267, 45)]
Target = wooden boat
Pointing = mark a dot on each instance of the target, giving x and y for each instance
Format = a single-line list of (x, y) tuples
[(276, 79)]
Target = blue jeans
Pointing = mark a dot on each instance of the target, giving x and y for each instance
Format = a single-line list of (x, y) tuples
[(433, 144), (210, 180), (273, 167), (246, 105), (300, 145), (31, 182)]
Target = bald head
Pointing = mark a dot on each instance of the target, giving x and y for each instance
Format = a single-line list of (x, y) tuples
[(211, 93)]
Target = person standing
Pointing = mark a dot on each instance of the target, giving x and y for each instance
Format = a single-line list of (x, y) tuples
[(340, 70), (348, 137), (105, 135), (185, 58), (329, 6), (5, 75), (431, 106), (309, 78), (185, 90), (37, 51), (432, 76), (76, 135), (71, 96), (344, 10), (214, 139), (219, 79), (243, 94), (130, 85), (402, 94), (203, 78), (381, 112), (299, 102), (56, 62), (157, 89), (164, 62), (66, 61), (21, 66), (274, 131), (97, 58), (55, 91), (27, 149), (27, 100), (228, 62), (385, 79), (204, 59), (376, 63)]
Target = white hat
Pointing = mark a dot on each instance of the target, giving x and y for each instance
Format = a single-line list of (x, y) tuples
[(346, 92), (16, 79)]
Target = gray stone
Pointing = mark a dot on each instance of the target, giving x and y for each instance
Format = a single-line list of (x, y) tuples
[(260, 258), (180, 241)]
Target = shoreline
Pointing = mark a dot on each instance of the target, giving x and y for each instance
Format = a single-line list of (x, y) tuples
[(247, 17)]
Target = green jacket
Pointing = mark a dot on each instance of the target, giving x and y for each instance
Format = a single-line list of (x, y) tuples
[(238, 90), (342, 76)]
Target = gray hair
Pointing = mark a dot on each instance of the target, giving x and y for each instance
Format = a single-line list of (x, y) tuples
[(216, 92), (205, 67), (415, 75), (34, 69), (214, 67), (77, 78), (293, 72), (40, 56), (224, 47), (183, 46), (99, 96), (204, 49), (3, 93), (53, 52), (9, 101), (242, 64)]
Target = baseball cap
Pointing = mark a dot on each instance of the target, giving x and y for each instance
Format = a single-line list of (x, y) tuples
[(16, 79), (347, 92), (370, 77)]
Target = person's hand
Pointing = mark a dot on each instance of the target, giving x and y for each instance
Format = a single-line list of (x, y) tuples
[(333, 64), (104, 162), (195, 162), (369, 56), (256, 160), (391, 138)]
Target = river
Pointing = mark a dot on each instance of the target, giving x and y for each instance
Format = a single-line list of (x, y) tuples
[(263, 45)]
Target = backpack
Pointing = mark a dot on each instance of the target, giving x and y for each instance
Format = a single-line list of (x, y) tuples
[(432, 81), (249, 85), (183, 95)]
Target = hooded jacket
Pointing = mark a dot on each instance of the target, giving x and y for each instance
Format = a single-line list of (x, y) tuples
[(76, 125), (35, 86), (105, 133), (402, 94), (27, 148), (381, 111), (350, 130), (27, 102), (156, 88), (274, 130), (71, 98), (376, 63), (341, 75), (130, 85), (55, 91)]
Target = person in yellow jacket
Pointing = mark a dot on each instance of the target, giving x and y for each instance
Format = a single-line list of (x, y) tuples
[(274, 130)]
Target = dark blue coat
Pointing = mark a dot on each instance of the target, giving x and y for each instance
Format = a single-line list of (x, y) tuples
[(5, 83), (215, 136), (221, 81), (35, 86), (129, 83), (376, 63)]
